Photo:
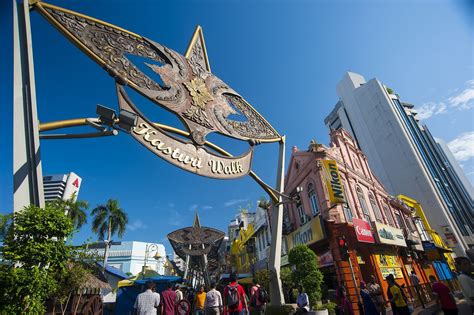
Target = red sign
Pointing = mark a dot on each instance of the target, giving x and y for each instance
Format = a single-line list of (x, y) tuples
[(363, 232)]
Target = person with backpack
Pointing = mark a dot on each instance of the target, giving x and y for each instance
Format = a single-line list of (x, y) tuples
[(258, 299), (234, 297)]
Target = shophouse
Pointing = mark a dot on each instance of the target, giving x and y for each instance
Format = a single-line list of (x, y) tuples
[(436, 252), (343, 198)]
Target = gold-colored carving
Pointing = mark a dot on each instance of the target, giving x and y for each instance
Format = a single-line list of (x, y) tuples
[(199, 93)]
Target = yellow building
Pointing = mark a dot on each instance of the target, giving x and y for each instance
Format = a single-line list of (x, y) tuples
[(241, 252), (433, 244)]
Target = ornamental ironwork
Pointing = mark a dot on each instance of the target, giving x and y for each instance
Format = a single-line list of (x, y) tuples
[(186, 87)]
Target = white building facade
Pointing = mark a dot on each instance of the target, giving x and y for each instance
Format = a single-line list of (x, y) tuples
[(61, 186), (129, 256), (402, 154)]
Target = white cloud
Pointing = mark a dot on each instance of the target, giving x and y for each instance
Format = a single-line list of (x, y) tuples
[(175, 218), (462, 100), (463, 146), (207, 207), (193, 208), (233, 202), (136, 225)]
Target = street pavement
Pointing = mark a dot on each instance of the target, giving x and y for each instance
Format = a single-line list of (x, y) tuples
[(432, 309)]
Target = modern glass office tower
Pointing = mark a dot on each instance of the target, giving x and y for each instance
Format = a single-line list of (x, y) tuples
[(405, 156)]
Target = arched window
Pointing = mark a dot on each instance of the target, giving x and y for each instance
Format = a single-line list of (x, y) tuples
[(301, 213), (363, 204), (388, 215), (313, 200), (375, 207)]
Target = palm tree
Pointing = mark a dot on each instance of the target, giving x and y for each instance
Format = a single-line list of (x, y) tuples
[(75, 210), (109, 219)]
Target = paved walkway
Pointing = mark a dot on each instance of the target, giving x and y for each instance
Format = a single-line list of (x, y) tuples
[(432, 309)]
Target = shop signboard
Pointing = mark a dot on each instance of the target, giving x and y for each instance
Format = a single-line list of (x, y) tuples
[(363, 231), (388, 264), (333, 182), (306, 234), (326, 259), (284, 260), (390, 235)]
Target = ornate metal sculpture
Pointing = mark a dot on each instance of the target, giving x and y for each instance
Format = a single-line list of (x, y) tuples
[(203, 102), (198, 246)]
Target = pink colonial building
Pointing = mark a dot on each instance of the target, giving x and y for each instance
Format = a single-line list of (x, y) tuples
[(380, 231)]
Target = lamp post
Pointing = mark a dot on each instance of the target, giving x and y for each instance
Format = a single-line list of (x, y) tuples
[(148, 249)]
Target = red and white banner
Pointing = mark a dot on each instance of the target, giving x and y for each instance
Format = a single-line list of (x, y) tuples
[(363, 231)]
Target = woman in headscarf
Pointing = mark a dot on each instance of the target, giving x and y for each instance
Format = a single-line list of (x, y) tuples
[(369, 305)]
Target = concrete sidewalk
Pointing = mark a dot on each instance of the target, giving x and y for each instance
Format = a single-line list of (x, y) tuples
[(432, 309)]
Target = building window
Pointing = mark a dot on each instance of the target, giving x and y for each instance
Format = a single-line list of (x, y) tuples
[(401, 224), (301, 213), (313, 200), (375, 207), (363, 204), (388, 215), (347, 212), (410, 224)]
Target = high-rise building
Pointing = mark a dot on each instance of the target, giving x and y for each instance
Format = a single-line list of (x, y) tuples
[(404, 155), (62, 186)]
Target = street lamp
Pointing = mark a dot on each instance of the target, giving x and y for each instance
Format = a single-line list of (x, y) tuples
[(148, 249)]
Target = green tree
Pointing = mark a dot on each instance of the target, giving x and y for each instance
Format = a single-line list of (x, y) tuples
[(35, 255), (264, 203), (5, 220), (38, 237), (75, 210), (263, 278), (306, 272), (109, 219)]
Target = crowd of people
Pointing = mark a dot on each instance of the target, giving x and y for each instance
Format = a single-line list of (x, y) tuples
[(230, 299)]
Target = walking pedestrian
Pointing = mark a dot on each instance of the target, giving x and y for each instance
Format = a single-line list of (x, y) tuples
[(444, 298), (213, 303), (147, 302), (179, 293), (344, 304), (258, 298), (463, 264), (369, 305), (375, 292), (399, 303), (199, 301), (168, 300), (415, 282), (234, 297)]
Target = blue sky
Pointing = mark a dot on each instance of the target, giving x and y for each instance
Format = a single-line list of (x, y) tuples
[(284, 57)]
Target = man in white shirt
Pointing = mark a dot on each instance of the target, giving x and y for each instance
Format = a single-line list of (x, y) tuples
[(213, 302), (465, 279), (302, 301), (148, 301)]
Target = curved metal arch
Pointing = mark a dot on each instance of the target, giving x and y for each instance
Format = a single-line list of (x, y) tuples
[(77, 122)]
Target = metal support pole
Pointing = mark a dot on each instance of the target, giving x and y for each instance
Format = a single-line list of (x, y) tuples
[(355, 282), (276, 290), (27, 174)]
